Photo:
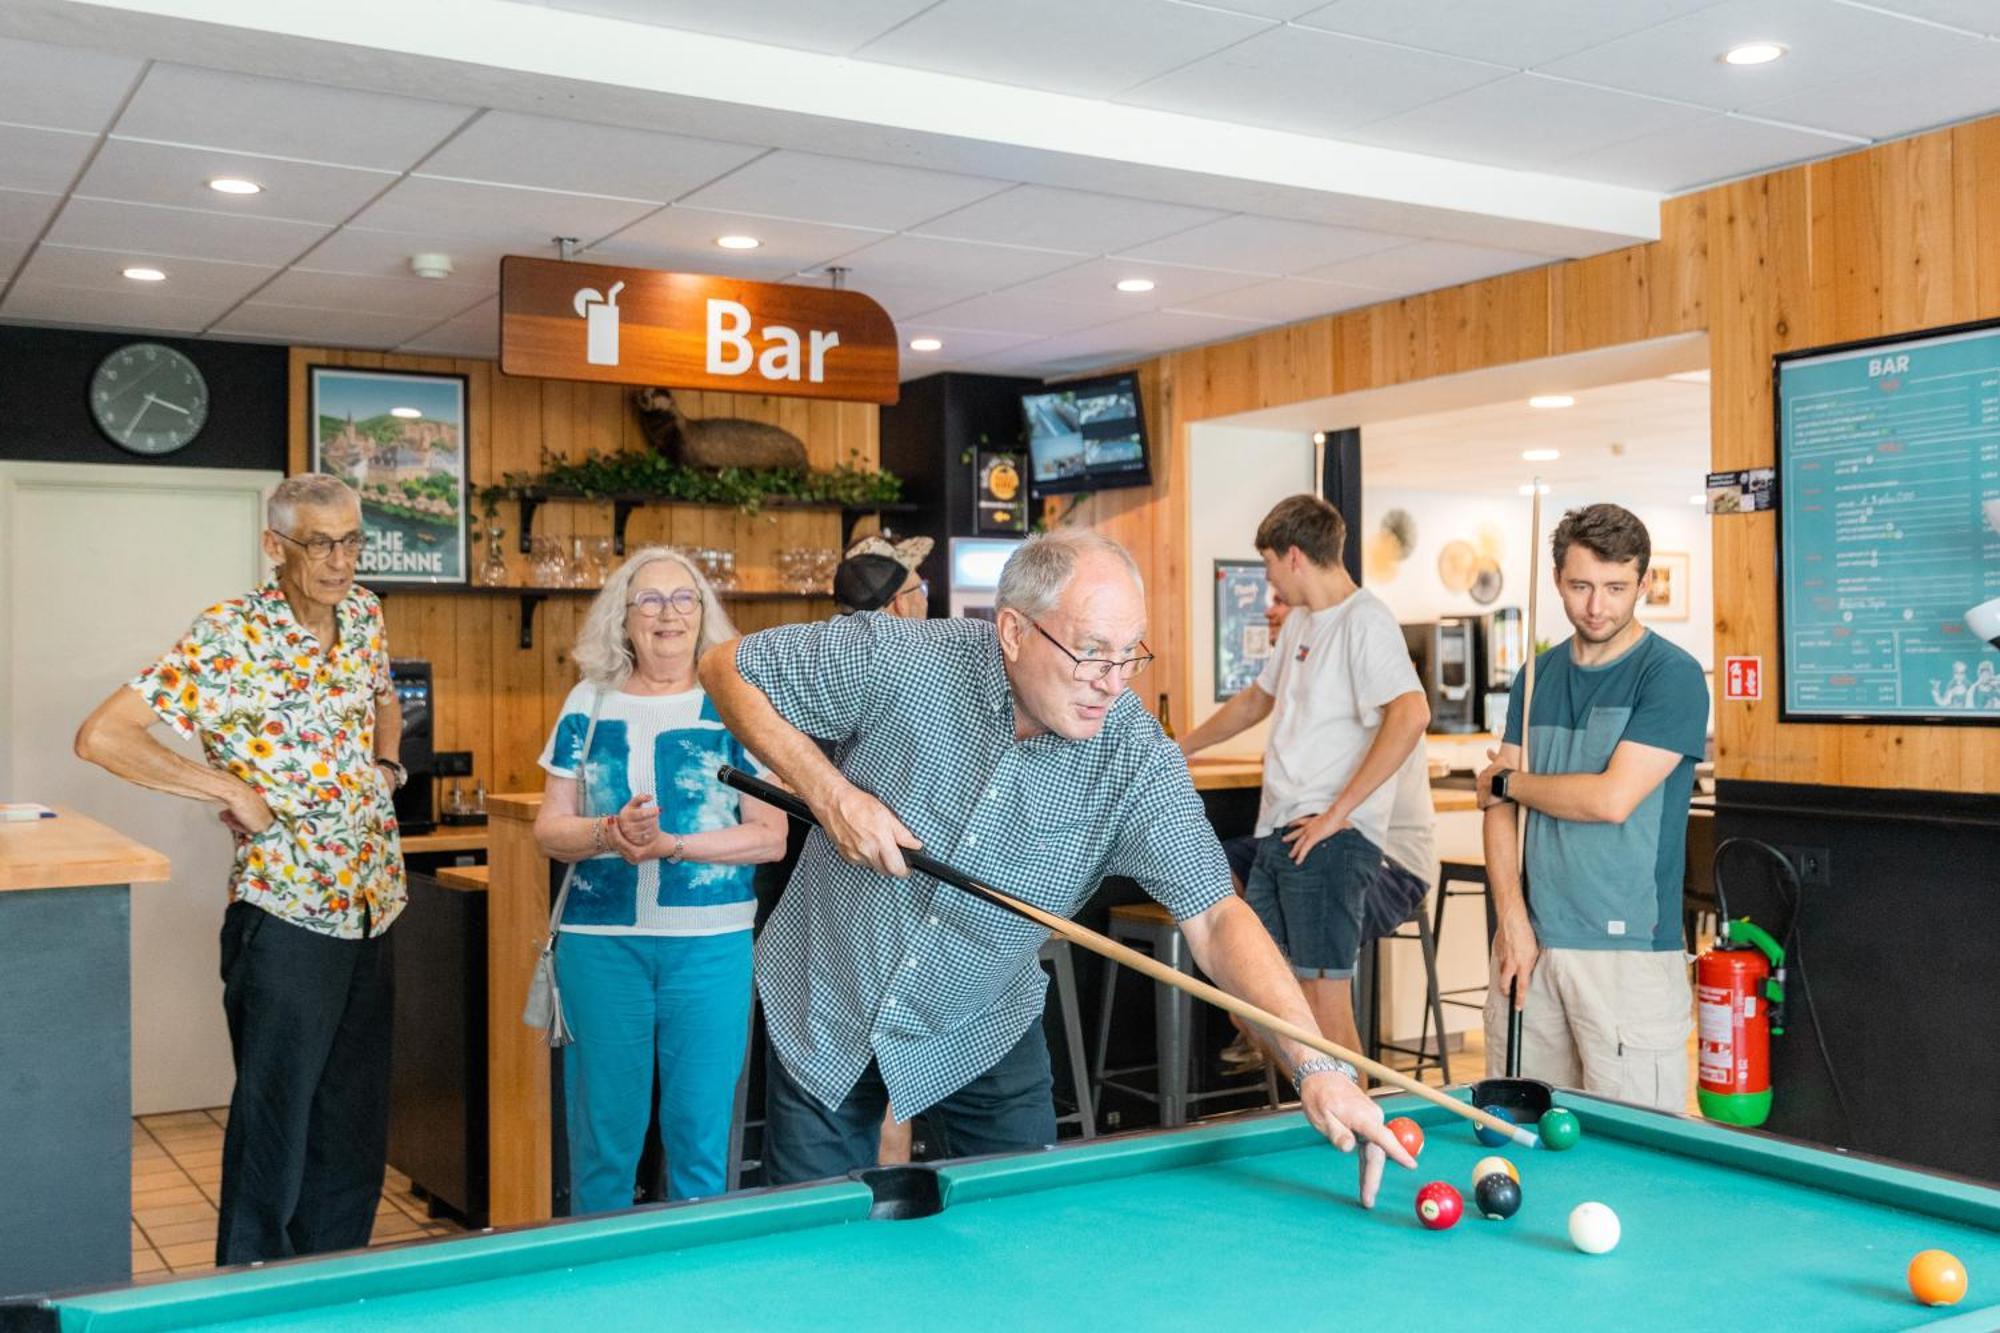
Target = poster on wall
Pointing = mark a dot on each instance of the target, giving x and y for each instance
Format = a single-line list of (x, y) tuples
[(399, 440), (1242, 634)]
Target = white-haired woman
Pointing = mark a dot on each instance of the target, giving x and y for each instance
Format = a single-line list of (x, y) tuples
[(654, 952)]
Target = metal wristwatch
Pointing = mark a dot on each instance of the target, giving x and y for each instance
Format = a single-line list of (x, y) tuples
[(1323, 1064), (397, 772)]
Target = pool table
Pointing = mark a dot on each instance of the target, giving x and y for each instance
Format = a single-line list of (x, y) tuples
[(1220, 1226)]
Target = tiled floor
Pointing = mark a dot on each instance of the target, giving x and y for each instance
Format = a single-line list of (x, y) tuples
[(176, 1180)]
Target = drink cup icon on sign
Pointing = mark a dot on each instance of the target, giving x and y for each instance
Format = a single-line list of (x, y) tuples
[(600, 313)]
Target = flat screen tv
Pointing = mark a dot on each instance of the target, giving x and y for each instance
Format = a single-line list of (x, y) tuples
[(1087, 435), (1888, 450)]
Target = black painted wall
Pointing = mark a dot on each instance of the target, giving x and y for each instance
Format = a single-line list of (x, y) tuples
[(45, 403), (1899, 954)]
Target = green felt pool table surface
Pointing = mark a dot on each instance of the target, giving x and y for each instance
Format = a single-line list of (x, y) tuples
[(1247, 1223)]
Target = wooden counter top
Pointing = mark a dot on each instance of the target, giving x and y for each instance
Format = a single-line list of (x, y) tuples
[(464, 879), (521, 808), (446, 838), (73, 851), (1225, 773)]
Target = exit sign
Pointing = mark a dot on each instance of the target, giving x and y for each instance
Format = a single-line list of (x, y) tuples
[(1743, 678)]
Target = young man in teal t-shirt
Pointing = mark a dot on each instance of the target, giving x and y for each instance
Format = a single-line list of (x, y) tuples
[(1594, 949)]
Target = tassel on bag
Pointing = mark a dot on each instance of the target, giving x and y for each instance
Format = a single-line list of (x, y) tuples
[(544, 1011)]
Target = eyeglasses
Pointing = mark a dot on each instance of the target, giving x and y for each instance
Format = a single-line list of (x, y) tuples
[(320, 546), (1093, 669), (653, 605), (923, 589)]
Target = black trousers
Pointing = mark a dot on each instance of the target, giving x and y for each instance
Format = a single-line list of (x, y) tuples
[(308, 1135)]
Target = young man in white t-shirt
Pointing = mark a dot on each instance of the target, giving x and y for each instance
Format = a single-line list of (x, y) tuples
[(1347, 710)]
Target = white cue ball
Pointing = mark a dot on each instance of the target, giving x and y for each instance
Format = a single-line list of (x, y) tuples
[(1593, 1228)]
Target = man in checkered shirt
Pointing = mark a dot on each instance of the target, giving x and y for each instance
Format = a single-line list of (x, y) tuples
[(1013, 751)]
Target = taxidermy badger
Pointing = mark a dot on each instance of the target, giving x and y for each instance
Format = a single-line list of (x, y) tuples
[(715, 442)]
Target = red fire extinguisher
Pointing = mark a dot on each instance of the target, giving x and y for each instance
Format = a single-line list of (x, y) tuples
[(1739, 988)]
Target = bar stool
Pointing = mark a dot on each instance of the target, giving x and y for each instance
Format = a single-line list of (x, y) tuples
[(1151, 927), (1464, 873), (1368, 998), (1055, 953)]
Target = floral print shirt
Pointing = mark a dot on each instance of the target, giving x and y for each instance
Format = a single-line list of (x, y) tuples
[(254, 687)]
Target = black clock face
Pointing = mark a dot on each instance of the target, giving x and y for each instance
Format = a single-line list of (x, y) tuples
[(149, 399)]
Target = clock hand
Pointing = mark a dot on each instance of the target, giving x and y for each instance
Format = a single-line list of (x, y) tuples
[(131, 425), (169, 406), (155, 369)]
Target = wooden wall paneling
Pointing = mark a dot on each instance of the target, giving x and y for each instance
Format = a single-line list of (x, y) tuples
[(1679, 268), (1976, 205), (1846, 248)]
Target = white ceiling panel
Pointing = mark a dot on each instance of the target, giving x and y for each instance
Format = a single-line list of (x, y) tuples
[(927, 261), (62, 87), (1280, 10), (1055, 219), (1899, 99), (473, 333), (1087, 50), (11, 255), (1425, 265), (684, 238), (104, 224), (902, 300), (1264, 245), (508, 149), (1310, 82), (1131, 339), (302, 324), (1711, 150), (497, 214), (42, 160), (959, 345), (1680, 59), (386, 254), (104, 271), (1526, 121), (286, 118), (1095, 284), (1284, 302), (1522, 33), (810, 25), (841, 191), (23, 214), (1013, 312), (153, 311), (150, 173), (1973, 15), (415, 298)]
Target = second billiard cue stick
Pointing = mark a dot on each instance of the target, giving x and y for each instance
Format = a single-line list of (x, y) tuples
[(1143, 963), (1520, 815)]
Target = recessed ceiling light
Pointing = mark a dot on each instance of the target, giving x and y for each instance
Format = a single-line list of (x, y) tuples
[(1528, 488), (1135, 284), (1541, 455), (1698, 499), (925, 344), (1753, 53), (738, 242), (234, 185), (1552, 400), (145, 275), (407, 413)]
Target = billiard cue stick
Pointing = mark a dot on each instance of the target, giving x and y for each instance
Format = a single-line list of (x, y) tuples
[(1520, 815), (1142, 963)]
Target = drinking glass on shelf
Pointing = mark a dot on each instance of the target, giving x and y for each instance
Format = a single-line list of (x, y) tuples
[(578, 569), (603, 551), (545, 563), (825, 561), (724, 577), (493, 569)]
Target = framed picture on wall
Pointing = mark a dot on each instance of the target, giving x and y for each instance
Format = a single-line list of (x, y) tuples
[(1667, 598), (1242, 635), (400, 440)]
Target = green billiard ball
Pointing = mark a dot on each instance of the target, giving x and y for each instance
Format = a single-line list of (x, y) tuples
[(1560, 1128)]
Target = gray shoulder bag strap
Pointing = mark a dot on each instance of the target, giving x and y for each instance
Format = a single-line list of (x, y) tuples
[(544, 1011)]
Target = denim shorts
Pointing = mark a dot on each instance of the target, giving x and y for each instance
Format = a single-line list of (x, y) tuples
[(1314, 910)]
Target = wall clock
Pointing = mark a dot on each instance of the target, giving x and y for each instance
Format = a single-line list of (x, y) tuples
[(149, 399)]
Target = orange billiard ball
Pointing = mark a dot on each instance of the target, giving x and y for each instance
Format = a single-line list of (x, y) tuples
[(1408, 1133), (1937, 1278)]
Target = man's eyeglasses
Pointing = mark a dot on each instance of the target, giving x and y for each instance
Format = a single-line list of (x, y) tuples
[(1094, 669), (923, 590), (320, 546), (653, 605)]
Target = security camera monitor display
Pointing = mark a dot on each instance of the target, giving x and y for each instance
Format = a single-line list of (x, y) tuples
[(1888, 459), (1087, 435)]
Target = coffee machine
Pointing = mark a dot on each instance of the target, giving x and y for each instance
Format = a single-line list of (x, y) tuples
[(1503, 651), (1445, 653), (416, 802)]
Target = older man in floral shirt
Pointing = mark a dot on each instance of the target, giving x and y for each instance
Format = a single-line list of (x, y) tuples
[(287, 690)]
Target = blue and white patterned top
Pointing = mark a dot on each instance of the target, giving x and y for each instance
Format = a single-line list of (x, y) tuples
[(934, 984), (669, 747)]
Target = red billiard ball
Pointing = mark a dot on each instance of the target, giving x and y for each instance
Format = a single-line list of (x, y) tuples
[(1439, 1206), (1408, 1133)]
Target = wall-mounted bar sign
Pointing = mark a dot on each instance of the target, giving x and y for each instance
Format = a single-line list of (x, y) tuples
[(576, 321)]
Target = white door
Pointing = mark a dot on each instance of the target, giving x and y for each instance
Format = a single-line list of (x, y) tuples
[(102, 568)]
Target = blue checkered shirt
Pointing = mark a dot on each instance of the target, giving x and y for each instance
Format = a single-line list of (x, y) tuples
[(934, 984)]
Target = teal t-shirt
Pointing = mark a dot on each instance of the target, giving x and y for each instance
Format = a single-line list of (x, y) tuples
[(1612, 886)]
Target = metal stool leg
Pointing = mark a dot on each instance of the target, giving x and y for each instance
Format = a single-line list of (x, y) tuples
[(1057, 951), (1434, 1003), (1173, 1013), (1109, 991)]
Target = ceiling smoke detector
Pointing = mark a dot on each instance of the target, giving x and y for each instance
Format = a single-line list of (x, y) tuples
[(431, 266)]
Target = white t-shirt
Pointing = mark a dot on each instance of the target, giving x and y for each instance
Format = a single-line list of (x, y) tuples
[(1330, 675), (1412, 840)]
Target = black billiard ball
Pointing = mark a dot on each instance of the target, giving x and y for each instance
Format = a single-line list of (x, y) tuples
[(1497, 1196)]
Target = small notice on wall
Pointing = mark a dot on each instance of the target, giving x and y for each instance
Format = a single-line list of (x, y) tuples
[(1743, 678), (1742, 492)]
